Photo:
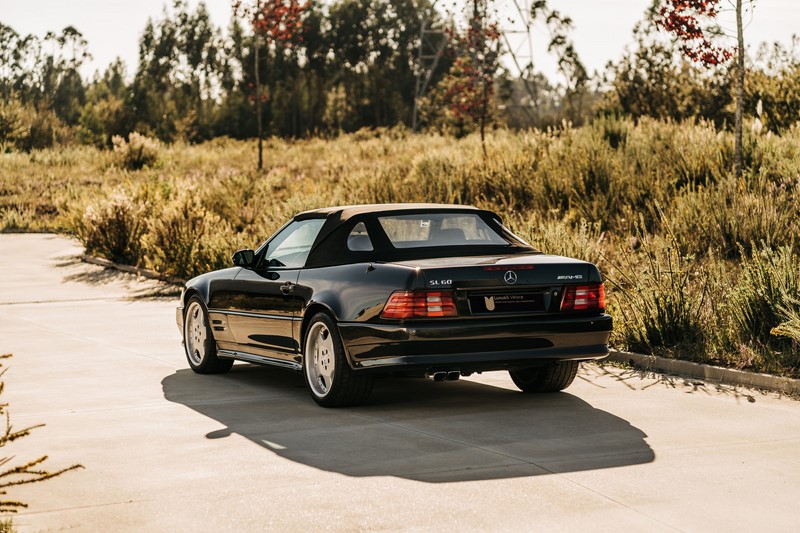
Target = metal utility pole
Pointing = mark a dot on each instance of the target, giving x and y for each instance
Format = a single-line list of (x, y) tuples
[(256, 46), (516, 31), (432, 43)]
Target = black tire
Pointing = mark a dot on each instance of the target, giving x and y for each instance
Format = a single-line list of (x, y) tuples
[(328, 376), (198, 340), (551, 378)]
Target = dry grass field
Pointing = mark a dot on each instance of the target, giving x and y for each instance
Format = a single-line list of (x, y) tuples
[(700, 264)]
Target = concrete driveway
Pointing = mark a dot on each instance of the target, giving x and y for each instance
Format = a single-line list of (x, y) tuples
[(97, 359)]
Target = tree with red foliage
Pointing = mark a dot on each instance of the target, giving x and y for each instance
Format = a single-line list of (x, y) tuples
[(276, 21), (694, 22), (468, 87)]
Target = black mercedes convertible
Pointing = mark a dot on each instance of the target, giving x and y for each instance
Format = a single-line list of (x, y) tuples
[(347, 294)]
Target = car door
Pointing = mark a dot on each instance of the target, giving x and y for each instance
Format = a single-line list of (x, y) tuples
[(263, 304)]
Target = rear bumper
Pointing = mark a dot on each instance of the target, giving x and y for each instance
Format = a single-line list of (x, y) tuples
[(472, 346)]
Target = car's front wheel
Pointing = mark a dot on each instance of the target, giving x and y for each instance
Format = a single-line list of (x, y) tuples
[(198, 342), (551, 378), (330, 379)]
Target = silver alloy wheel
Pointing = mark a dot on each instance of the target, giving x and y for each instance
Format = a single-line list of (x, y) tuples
[(320, 359), (195, 333)]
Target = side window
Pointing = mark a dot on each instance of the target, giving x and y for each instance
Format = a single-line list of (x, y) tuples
[(290, 247), (358, 240)]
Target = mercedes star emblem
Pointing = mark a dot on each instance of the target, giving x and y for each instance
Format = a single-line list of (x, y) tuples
[(510, 277)]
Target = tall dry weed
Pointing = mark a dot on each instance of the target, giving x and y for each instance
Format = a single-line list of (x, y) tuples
[(186, 239), (113, 226), (660, 295)]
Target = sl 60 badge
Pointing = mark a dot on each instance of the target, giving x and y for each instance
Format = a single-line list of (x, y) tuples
[(440, 282)]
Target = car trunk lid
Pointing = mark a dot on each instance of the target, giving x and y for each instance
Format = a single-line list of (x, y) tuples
[(503, 285)]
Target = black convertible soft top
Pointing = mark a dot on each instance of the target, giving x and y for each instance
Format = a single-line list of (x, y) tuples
[(346, 212), (330, 247)]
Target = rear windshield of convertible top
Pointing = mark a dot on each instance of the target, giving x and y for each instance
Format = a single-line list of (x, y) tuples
[(439, 229)]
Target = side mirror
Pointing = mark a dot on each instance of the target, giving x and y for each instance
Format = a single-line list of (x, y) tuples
[(244, 258)]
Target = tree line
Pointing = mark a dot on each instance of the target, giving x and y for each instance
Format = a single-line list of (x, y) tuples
[(352, 64)]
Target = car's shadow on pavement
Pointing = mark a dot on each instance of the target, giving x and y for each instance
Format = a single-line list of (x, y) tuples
[(415, 429)]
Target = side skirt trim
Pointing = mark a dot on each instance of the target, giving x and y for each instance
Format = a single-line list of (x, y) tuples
[(253, 315), (259, 359)]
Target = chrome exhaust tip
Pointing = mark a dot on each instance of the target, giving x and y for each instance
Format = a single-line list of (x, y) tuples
[(437, 376), (453, 375)]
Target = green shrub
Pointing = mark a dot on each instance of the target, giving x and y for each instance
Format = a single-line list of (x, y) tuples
[(560, 237), (790, 328), (15, 219), (614, 129), (763, 305), (113, 226), (11, 123), (660, 297), (778, 157), (730, 215), (137, 152), (23, 127), (185, 239)]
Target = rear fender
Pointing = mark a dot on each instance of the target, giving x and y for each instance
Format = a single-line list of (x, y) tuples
[(355, 293)]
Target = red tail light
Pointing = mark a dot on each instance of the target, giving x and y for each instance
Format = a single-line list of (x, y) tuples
[(420, 304), (584, 298)]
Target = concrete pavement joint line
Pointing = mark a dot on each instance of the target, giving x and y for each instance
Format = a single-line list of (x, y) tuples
[(265, 396), (92, 340), (86, 411), (521, 461), (465, 469), (134, 407), (609, 498), (66, 300), (79, 507), (146, 406), (727, 445), (594, 456)]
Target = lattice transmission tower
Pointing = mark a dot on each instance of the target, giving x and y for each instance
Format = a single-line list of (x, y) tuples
[(515, 23)]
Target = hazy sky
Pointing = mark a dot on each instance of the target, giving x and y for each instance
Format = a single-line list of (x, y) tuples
[(602, 27)]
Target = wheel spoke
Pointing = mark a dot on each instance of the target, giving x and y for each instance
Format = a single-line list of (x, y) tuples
[(327, 373)]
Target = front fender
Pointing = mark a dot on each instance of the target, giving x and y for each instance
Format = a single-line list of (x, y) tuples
[(201, 286)]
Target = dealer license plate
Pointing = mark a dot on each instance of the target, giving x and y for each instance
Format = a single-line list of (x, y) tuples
[(484, 304)]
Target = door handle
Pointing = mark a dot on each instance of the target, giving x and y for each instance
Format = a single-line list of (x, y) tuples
[(287, 287)]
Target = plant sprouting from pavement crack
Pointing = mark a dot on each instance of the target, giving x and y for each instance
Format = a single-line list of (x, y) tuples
[(22, 474)]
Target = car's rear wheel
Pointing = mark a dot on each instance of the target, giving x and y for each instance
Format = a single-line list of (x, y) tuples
[(198, 341), (551, 378), (330, 379)]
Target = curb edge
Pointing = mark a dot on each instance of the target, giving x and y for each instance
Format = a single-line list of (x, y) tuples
[(725, 376), (149, 274)]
